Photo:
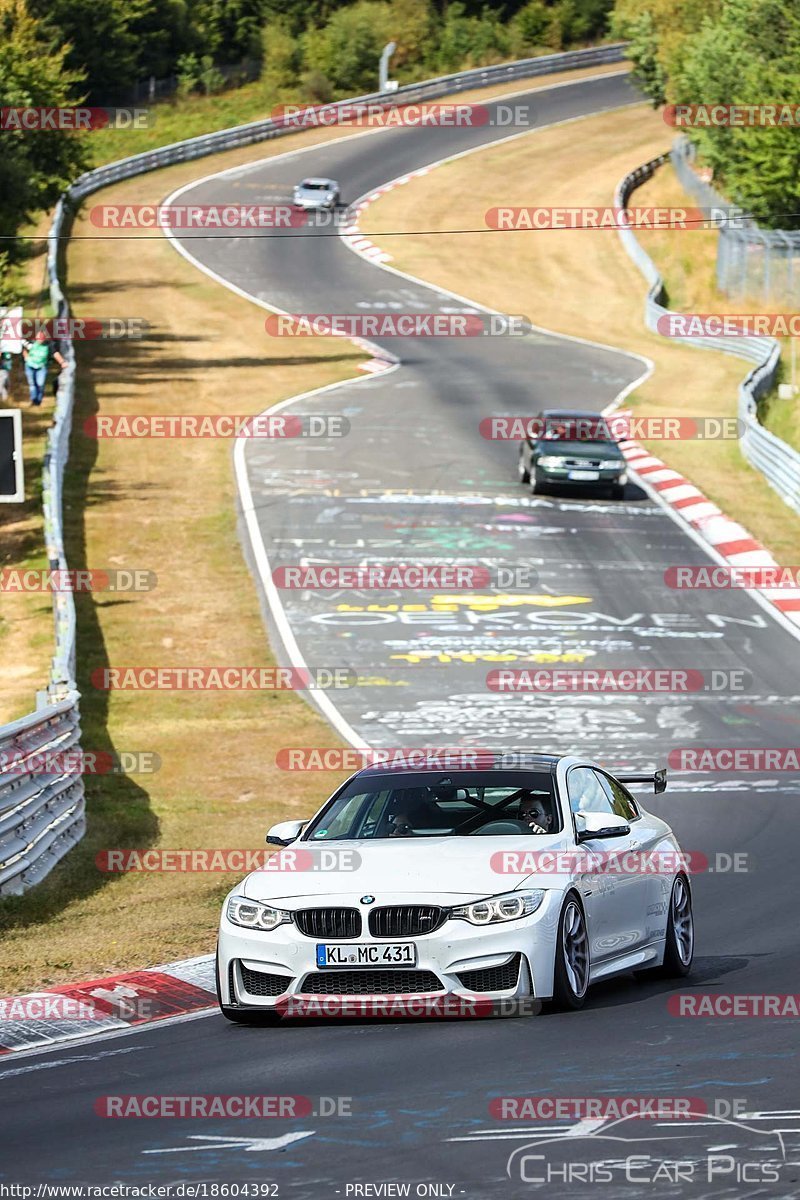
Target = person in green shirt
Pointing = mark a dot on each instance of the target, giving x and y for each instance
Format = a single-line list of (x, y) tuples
[(37, 355)]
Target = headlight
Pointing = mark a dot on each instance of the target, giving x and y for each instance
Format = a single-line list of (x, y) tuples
[(252, 915), (611, 464), (552, 460), (509, 907)]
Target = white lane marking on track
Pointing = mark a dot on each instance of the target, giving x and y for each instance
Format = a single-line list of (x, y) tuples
[(581, 1128), (62, 1062), (107, 1035), (249, 1144)]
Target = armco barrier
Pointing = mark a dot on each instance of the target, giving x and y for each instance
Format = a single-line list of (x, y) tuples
[(777, 461), (259, 131), (41, 812), (41, 817)]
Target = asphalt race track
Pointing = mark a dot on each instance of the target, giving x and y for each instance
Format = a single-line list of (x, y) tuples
[(414, 481)]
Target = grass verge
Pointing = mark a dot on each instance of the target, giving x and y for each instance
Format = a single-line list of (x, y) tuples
[(581, 282)]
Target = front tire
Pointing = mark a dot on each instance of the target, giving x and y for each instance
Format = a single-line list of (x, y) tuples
[(523, 473), (571, 976), (538, 486)]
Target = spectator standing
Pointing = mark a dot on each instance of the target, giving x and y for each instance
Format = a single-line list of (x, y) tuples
[(37, 355)]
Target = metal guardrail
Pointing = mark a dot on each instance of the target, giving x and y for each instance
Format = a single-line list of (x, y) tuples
[(42, 816), (778, 462), (42, 807), (258, 131)]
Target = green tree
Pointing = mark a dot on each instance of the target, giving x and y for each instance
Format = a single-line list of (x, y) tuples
[(101, 43), (648, 70), (35, 166), (163, 30), (470, 41), (230, 29), (281, 56), (347, 49), (659, 32), (411, 24), (750, 55), (528, 28)]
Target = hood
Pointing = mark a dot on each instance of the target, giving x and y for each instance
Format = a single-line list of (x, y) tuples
[(466, 868), (584, 449)]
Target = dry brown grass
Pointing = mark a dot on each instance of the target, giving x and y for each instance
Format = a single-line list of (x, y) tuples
[(582, 282)]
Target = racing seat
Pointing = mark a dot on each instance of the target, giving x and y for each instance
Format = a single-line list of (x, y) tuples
[(414, 809)]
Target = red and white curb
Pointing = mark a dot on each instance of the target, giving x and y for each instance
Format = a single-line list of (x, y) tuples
[(38, 1020), (728, 538), (352, 234)]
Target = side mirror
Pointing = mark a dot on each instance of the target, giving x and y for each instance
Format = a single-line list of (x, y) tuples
[(285, 833), (600, 825)]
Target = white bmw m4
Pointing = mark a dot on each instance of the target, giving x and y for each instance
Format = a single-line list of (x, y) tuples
[(510, 883)]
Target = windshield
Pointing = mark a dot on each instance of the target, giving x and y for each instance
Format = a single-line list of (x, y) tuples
[(570, 445), (308, 186), (500, 804), (585, 428)]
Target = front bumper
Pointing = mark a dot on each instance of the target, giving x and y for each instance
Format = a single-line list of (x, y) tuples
[(282, 964), (314, 205), (616, 476)]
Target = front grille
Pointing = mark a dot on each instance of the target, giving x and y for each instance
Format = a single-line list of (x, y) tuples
[(590, 464), (370, 983), (492, 979), (260, 983), (406, 920), (329, 922)]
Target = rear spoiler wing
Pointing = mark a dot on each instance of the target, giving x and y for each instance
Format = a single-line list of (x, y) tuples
[(658, 779)]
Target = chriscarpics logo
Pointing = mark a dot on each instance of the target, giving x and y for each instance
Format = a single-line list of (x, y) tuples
[(693, 1156)]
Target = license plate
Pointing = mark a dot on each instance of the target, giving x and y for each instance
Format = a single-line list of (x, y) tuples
[(583, 474), (388, 954)]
